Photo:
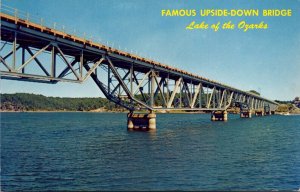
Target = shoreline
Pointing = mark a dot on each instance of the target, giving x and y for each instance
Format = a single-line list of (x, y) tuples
[(158, 112), (172, 112), (62, 112)]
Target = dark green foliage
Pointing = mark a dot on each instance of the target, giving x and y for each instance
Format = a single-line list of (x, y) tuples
[(32, 102), (283, 102)]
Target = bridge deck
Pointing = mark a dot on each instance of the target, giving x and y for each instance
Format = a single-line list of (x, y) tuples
[(33, 34)]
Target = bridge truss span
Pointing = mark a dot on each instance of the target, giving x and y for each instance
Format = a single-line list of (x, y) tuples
[(32, 52)]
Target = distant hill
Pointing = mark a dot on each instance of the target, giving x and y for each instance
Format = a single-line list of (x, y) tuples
[(33, 102), (289, 106)]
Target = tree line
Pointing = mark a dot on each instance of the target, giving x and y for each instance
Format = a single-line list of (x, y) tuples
[(33, 102)]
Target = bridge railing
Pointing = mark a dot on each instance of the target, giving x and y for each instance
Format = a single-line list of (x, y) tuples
[(20, 14)]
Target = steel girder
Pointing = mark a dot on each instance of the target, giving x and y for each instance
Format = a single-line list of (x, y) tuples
[(30, 55)]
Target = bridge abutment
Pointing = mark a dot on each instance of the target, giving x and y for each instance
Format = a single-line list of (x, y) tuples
[(219, 116), (141, 121)]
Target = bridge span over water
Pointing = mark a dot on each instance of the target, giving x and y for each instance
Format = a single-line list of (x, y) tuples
[(35, 52)]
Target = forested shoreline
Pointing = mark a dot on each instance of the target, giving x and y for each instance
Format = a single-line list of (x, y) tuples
[(34, 102)]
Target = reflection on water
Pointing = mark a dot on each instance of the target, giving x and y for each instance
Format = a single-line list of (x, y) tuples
[(94, 151)]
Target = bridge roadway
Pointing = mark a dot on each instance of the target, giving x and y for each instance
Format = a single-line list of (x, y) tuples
[(37, 53)]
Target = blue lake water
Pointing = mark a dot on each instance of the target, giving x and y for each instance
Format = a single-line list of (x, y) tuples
[(94, 151)]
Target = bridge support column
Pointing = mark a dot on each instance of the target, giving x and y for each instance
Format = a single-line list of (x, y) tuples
[(219, 116), (139, 121), (259, 112), (246, 114), (268, 113), (272, 112), (267, 110)]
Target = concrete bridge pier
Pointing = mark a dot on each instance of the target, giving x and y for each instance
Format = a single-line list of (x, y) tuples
[(141, 121), (246, 114), (267, 110), (219, 116), (272, 112), (268, 113), (259, 113)]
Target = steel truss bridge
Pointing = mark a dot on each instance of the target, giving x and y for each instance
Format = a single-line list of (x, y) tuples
[(34, 52)]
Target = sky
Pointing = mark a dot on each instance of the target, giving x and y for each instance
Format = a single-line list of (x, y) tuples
[(267, 61)]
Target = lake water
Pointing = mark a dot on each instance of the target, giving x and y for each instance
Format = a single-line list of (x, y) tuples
[(94, 151)]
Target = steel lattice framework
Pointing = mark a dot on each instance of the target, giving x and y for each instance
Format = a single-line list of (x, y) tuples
[(33, 52)]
